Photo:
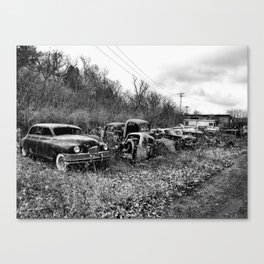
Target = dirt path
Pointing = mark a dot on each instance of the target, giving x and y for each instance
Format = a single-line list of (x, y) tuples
[(222, 196)]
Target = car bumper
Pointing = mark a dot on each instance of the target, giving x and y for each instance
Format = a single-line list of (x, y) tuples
[(87, 157)]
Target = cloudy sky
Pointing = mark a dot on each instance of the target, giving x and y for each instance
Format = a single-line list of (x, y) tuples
[(212, 78)]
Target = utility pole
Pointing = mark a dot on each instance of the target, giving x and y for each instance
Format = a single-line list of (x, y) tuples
[(181, 95)]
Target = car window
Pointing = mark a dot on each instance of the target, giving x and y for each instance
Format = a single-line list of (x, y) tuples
[(32, 131), (132, 127), (119, 128), (38, 131), (110, 129), (46, 131), (144, 127), (144, 142), (150, 141), (67, 131)]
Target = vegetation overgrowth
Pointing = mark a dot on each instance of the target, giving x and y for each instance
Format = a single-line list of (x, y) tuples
[(141, 190), (51, 87)]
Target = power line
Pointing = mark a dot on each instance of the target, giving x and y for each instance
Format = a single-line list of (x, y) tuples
[(138, 67), (115, 62), (128, 64), (111, 58), (133, 75)]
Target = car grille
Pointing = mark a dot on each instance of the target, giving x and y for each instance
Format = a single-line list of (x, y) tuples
[(87, 157), (93, 150)]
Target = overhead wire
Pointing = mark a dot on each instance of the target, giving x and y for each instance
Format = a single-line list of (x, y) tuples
[(144, 78), (115, 61), (131, 61), (129, 72)]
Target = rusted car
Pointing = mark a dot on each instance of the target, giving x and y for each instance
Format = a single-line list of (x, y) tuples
[(181, 140), (113, 134), (64, 144), (156, 133), (137, 143)]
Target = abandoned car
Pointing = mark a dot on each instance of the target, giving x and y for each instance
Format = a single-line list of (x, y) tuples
[(64, 144), (177, 135), (137, 144), (113, 134)]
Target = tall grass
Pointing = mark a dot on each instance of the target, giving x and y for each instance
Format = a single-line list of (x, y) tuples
[(142, 190)]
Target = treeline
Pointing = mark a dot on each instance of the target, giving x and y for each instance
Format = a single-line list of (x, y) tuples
[(52, 87)]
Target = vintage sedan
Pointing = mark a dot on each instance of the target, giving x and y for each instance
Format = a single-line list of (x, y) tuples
[(64, 144)]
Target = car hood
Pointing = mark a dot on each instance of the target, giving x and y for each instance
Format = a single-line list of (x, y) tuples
[(76, 139)]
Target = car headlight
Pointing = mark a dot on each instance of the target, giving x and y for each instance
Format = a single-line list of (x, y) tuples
[(76, 149), (105, 147)]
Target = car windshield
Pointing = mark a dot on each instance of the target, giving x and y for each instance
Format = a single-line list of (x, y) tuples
[(67, 131), (144, 127)]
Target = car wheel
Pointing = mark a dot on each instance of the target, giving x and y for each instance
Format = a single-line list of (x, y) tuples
[(60, 163), (130, 147), (24, 152)]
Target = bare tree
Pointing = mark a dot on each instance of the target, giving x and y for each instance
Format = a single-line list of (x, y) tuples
[(141, 89), (52, 64), (153, 102), (237, 113)]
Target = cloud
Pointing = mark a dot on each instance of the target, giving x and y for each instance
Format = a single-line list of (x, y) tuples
[(229, 57), (211, 96), (225, 99), (228, 65), (195, 74), (214, 82)]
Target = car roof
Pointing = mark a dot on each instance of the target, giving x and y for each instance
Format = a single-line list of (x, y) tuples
[(137, 121), (140, 133), (115, 124), (54, 125)]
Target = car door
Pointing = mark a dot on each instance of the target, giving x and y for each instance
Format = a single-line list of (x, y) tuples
[(45, 142), (29, 143), (37, 140)]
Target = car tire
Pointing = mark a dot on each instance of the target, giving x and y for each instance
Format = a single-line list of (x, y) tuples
[(24, 152), (60, 163), (130, 146)]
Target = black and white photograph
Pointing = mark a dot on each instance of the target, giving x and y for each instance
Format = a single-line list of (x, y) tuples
[(131, 132)]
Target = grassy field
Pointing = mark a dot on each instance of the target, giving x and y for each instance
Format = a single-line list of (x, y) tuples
[(143, 190)]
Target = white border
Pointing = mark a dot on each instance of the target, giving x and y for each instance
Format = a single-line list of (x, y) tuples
[(205, 22)]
